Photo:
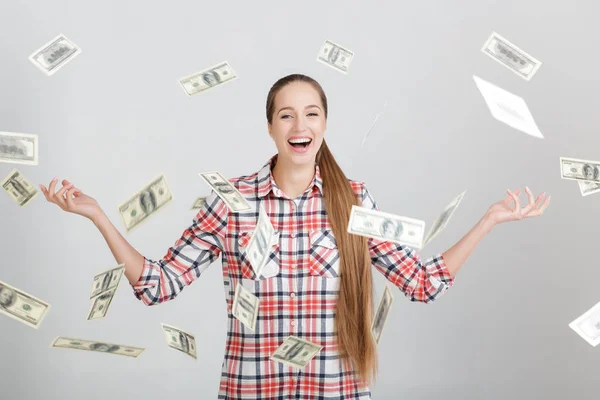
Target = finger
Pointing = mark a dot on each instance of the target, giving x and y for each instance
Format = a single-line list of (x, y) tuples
[(59, 196), (52, 186), (44, 191), (517, 209), (540, 211), (69, 198), (531, 204), (509, 198)]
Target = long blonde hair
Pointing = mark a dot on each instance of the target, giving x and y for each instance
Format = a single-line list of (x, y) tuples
[(354, 307)]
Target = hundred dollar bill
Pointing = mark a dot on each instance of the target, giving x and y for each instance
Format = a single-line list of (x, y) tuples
[(180, 340), (335, 56), (296, 352), (588, 325), (18, 148), (93, 345), (145, 202), (207, 78), (588, 188), (226, 191), (199, 203), (441, 222), (579, 170), (512, 57), (55, 54), (245, 306), (260, 244), (107, 280), (22, 306), (387, 227), (382, 313), (100, 304), (19, 188)]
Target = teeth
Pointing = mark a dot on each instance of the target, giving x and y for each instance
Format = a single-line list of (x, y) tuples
[(304, 140)]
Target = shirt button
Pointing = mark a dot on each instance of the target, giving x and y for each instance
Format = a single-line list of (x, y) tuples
[(293, 266), (292, 295), (293, 323)]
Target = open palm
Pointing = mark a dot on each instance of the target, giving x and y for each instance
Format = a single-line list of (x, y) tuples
[(502, 211), (71, 199)]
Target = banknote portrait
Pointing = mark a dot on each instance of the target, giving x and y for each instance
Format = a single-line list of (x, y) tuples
[(7, 296), (391, 229), (103, 347), (590, 172), (211, 78), (148, 201), (333, 55)]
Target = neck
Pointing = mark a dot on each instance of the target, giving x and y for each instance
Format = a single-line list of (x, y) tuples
[(293, 179)]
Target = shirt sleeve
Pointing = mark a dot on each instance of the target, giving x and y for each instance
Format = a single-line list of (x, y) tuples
[(422, 281), (192, 253)]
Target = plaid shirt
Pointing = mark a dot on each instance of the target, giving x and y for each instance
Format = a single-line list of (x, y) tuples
[(300, 300)]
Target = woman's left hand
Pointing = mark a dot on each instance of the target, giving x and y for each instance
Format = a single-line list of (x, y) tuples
[(502, 211)]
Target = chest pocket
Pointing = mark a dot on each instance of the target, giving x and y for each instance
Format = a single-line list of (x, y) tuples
[(324, 259), (271, 267)]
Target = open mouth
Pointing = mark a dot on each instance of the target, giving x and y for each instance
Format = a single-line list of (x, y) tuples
[(300, 143)]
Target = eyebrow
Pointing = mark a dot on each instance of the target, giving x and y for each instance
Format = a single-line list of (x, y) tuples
[(290, 108)]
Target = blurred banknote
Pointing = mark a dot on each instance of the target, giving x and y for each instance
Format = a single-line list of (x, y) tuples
[(245, 306), (18, 148), (335, 56), (145, 202), (259, 246), (373, 124), (55, 54), (226, 191), (512, 57), (588, 325), (104, 288), (382, 313), (22, 306), (387, 227), (588, 188), (579, 170), (508, 108), (19, 188), (199, 203), (207, 78), (296, 352), (441, 222), (94, 345), (180, 340)]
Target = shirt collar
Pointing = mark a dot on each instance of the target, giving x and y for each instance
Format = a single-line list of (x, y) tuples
[(266, 182)]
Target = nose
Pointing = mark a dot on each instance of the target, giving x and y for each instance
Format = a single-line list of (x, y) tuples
[(299, 124)]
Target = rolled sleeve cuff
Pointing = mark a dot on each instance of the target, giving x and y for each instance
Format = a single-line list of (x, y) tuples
[(148, 278)]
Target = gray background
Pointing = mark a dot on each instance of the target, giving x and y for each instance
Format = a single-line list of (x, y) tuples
[(115, 117)]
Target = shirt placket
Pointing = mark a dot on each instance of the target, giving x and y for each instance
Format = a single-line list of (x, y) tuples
[(294, 327)]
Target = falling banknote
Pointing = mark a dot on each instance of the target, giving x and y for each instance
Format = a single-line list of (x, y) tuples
[(335, 56), (180, 340), (387, 227), (586, 188), (207, 78), (441, 222), (145, 202), (259, 246), (579, 170), (19, 188), (199, 203), (512, 57), (18, 148), (588, 325), (94, 345), (226, 191), (22, 306), (296, 352), (382, 313), (245, 306), (54, 55), (104, 288)]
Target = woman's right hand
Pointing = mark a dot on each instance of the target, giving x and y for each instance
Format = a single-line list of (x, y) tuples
[(71, 199)]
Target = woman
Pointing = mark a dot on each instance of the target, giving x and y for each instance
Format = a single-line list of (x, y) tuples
[(323, 289)]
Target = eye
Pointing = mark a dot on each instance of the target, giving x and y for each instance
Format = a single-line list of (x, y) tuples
[(313, 114), (285, 116)]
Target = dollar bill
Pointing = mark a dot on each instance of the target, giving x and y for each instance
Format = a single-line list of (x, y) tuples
[(19, 188), (226, 191), (260, 244), (588, 325), (207, 78), (100, 304), (373, 124), (588, 188), (245, 306), (199, 203), (55, 54), (382, 313), (22, 306), (442, 221), (387, 227), (335, 56), (94, 345), (107, 280), (296, 352), (180, 340), (512, 57), (579, 170), (146, 202), (508, 108), (18, 148)]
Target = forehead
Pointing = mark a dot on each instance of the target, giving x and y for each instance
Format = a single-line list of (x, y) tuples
[(297, 94)]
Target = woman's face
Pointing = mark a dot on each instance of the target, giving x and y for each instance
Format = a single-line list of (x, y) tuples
[(298, 114)]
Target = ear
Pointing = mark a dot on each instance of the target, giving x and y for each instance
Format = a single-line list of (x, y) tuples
[(269, 129)]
